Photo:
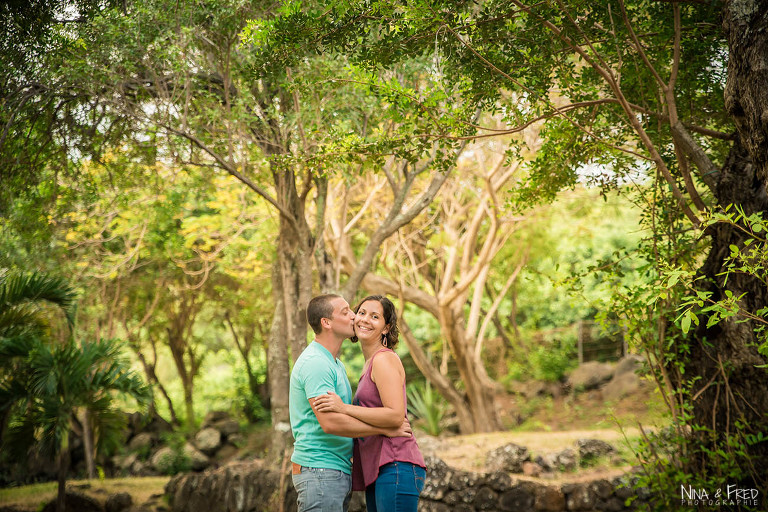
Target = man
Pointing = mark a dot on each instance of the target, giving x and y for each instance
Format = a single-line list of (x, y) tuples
[(322, 451)]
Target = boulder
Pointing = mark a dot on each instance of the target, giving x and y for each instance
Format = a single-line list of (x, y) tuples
[(509, 457), (631, 363), (590, 375), (593, 448), (226, 453), (124, 462), (564, 460), (531, 469), (197, 459), (549, 499), (208, 440), (75, 501), (238, 486), (118, 502), (227, 427), (580, 497), (520, 496), (214, 417), (237, 439), (621, 386), (438, 479), (163, 460), (485, 499), (143, 441)]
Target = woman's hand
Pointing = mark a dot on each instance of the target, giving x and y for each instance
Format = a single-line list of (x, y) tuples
[(330, 403)]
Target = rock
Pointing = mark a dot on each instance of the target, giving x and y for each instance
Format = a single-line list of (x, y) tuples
[(509, 457), (461, 480), (438, 479), (238, 440), (590, 375), (432, 506), (580, 498), (601, 488), (208, 440), (227, 427), (214, 417), (163, 460), (564, 460), (593, 448), (519, 497), (531, 469), (631, 363), (118, 502), (143, 441), (549, 499), (124, 463), (485, 499), (226, 453), (498, 480), (612, 504), (75, 501), (238, 486), (621, 386), (197, 459)]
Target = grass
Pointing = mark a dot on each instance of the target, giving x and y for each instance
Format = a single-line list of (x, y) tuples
[(31, 497)]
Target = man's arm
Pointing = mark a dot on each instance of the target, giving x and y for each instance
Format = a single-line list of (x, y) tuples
[(347, 426)]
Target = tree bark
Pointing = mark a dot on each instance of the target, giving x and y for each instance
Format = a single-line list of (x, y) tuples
[(85, 418), (278, 371), (63, 467), (726, 354)]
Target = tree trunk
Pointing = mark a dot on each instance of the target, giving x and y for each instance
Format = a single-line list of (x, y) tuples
[(85, 418), (63, 467), (479, 398), (726, 354), (278, 371), (441, 383), (189, 406)]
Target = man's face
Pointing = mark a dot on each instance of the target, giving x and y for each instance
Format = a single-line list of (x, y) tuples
[(342, 319)]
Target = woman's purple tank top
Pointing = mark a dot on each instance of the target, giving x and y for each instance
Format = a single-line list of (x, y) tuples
[(370, 453)]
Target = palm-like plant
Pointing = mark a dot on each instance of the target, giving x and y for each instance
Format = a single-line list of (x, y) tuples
[(24, 324), (54, 386), (427, 405)]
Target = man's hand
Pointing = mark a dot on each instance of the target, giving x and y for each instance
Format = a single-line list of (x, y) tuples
[(404, 430)]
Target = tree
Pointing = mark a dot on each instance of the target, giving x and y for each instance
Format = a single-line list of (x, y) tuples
[(22, 322), (627, 88), (441, 264), (57, 387)]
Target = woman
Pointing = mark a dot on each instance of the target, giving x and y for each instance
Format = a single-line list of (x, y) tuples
[(390, 470)]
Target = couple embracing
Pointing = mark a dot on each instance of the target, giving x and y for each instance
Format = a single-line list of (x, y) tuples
[(325, 418)]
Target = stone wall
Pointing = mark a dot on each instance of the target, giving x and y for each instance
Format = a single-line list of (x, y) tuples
[(251, 487)]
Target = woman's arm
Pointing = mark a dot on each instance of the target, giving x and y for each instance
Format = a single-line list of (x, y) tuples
[(389, 376)]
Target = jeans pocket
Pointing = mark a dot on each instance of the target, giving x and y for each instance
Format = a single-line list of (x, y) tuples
[(419, 476)]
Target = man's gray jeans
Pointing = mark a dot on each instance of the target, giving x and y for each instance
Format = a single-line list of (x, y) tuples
[(323, 490)]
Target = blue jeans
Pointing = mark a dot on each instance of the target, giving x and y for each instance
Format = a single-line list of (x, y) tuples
[(396, 489), (323, 490)]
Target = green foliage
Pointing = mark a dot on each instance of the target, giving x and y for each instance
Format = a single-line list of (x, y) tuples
[(428, 406)]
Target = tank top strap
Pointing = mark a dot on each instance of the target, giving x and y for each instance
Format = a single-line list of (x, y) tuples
[(370, 364)]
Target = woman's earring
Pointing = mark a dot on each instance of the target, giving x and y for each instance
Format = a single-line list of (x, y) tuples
[(386, 340)]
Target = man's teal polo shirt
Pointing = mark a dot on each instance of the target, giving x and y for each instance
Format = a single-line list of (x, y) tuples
[(315, 373)]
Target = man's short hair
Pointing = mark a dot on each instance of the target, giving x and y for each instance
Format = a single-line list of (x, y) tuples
[(318, 308)]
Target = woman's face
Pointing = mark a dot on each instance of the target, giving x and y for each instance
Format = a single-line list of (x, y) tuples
[(369, 322)]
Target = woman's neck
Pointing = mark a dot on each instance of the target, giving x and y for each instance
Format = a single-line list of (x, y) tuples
[(370, 348)]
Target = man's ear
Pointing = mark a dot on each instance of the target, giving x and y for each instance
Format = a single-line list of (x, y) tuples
[(325, 322)]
